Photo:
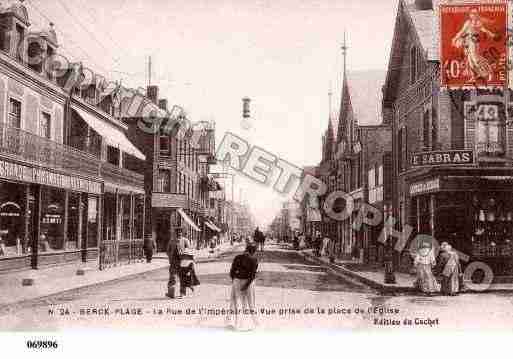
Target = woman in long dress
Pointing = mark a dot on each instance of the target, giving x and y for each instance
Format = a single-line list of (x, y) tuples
[(424, 262), (448, 267), (468, 39), (242, 297)]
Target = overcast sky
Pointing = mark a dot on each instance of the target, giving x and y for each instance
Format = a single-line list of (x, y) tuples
[(207, 55)]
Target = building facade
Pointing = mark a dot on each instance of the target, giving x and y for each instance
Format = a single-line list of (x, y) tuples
[(61, 157)]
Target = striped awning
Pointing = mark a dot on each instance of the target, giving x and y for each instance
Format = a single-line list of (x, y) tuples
[(188, 220)]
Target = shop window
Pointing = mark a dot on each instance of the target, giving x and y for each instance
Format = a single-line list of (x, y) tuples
[(372, 178), (45, 122), (125, 210), (52, 219), (13, 241), (14, 118), (73, 221), (139, 217), (380, 175), (92, 222)]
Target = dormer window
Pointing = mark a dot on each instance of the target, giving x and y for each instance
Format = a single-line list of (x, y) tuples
[(20, 35)]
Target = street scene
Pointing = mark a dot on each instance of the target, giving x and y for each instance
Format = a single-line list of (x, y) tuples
[(287, 285), (256, 166)]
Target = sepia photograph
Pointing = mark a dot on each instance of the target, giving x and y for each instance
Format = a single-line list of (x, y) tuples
[(255, 166)]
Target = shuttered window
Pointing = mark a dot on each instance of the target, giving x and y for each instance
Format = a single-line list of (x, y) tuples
[(14, 119)]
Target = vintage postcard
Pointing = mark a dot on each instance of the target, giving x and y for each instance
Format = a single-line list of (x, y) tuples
[(255, 165)]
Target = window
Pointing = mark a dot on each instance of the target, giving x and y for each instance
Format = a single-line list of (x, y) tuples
[(45, 125), (434, 134), (380, 175), (426, 128), (20, 35), (113, 155), (372, 178), (413, 64), (402, 157), (92, 222), (14, 118), (164, 183), (165, 145)]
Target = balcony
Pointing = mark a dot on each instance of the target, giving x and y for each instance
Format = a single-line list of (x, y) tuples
[(39, 151), (114, 174)]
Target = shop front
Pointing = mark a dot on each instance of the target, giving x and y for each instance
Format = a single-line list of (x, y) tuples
[(46, 217), (471, 211)]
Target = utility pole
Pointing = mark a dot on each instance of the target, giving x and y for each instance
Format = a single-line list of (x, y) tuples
[(149, 71)]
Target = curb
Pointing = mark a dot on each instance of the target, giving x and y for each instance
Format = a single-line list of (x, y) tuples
[(380, 287), (389, 289), (7, 306)]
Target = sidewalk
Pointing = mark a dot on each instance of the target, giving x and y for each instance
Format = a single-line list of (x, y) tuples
[(373, 276), (57, 279)]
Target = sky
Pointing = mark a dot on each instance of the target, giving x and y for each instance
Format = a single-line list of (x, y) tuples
[(207, 55)]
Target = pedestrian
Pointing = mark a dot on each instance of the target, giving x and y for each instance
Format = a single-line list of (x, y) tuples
[(259, 239), (149, 247), (188, 278), (317, 244), (448, 268), (424, 262), (242, 299), (325, 246), (302, 242), (173, 254), (296, 241)]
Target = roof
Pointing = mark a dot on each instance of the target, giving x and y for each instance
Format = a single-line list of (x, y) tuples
[(426, 25), (365, 91)]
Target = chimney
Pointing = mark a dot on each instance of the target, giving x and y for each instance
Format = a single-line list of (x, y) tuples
[(163, 104), (424, 4), (152, 92)]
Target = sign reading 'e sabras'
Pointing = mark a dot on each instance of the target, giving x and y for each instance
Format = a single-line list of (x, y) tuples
[(440, 158)]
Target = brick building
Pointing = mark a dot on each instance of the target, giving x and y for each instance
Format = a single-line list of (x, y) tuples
[(176, 174), (461, 192)]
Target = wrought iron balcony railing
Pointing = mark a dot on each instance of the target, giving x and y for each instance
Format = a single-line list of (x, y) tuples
[(115, 174), (28, 147)]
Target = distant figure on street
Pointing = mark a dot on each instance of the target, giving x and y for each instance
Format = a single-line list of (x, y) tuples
[(259, 239), (325, 246), (302, 241), (242, 300), (448, 268), (149, 247), (173, 253), (317, 244)]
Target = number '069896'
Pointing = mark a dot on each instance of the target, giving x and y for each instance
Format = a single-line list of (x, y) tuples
[(42, 344)]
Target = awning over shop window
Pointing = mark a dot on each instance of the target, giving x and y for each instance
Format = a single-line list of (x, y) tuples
[(212, 226), (113, 136), (188, 220)]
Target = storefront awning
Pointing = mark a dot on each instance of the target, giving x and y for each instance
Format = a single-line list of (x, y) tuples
[(212, 226), (188, 220), (113, 136)]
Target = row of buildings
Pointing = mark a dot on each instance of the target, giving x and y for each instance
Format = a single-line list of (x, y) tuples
[(79, 179), (423, 154)]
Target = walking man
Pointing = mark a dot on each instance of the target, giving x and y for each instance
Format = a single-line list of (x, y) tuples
[(259, 239)]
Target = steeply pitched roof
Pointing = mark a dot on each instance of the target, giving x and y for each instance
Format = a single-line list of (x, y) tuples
[(365, 92), (425, 23)]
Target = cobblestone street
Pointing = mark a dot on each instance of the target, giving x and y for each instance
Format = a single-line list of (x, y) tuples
[(291, 294)]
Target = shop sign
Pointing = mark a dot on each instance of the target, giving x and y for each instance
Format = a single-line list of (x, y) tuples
[(473, 39), (441, 158), (432, 185), (23, 173)]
